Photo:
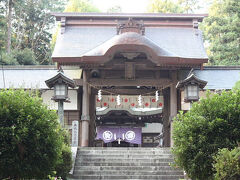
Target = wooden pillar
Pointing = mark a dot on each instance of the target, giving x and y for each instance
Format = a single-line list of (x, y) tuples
[(85, 118), (166, 114), (79, 107), (173, 102), (92, 125)]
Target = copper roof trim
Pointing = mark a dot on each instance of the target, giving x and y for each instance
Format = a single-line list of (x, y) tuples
[(130, 15)]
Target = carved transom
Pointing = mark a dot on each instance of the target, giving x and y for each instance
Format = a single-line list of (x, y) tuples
[(131, 26)]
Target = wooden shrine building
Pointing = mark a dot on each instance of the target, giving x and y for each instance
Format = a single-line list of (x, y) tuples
[(131, 64)]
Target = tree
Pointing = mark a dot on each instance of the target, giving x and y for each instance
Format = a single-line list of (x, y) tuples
[(29, 26), (33, 26), (210, 125), (16, 57), (164, 6), (25, 57), (189, 6), (2, 34), (9, 37), (30, 136), (75, 6), (221, 30), (3, 28), (80, 6)]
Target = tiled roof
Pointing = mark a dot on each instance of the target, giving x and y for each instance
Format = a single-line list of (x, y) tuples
[(219, 78), (182, 42), (31, 76)]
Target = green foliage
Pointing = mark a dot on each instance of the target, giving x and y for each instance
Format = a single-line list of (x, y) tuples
[(31, 140), (189, 6), (3, 26), (221, 30), (211, 124), (25, 57), (164, 6), (2, 33), (80, 6), (31, 27), (227, 164), (237, 85), (8, 59), (64, 163), (173, 6)]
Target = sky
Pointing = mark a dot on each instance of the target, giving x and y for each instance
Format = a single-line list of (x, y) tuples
[(133, 6)]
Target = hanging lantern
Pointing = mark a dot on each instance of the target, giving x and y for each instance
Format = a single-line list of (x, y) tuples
[(118, 100), (191, 92), (100, 95), (191, 86), (140, 100)]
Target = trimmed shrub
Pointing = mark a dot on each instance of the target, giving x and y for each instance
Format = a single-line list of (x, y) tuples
[(227, 164), (64, 163), (210, 125), (31, 140)]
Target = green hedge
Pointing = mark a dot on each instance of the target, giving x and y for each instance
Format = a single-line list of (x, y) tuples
[(227, 164), (31, 140), (210, 125)]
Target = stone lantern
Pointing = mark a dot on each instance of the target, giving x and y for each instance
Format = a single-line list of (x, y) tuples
[(60, 83)]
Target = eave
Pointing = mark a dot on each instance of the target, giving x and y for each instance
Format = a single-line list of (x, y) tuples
[(144, 16), (97, 61)]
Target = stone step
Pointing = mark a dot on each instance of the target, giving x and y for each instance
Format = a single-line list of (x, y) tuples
[(135, 160), (125, 164), (131, 177), (120, 164), (124, 168), (124, 148), (154, 156), (85, 152), (128, 172), (123, 153)]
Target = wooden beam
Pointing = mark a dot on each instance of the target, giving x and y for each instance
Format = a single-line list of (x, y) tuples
[(125, 91), (122, 82)]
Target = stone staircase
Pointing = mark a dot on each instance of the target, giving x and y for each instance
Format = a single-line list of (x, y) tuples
[(124, 163)]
